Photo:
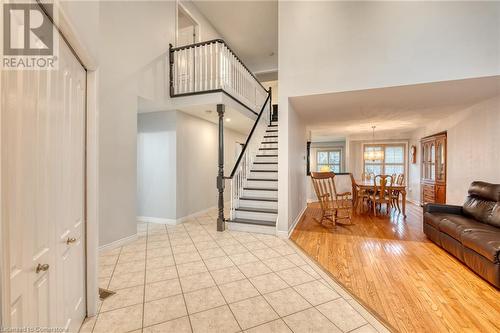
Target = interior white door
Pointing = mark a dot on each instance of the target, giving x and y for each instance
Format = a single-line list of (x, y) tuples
[(42, 132)]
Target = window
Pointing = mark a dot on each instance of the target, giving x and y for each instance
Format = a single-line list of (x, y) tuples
[(328, 160), (394, 161)]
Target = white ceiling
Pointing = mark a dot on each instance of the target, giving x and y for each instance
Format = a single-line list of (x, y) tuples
[(396, 111), (249, 27), (234, 119)]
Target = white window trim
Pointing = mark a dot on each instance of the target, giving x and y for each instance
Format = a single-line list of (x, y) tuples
[(323, 149), (406, 160)]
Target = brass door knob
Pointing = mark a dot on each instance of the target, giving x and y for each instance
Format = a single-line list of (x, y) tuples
[(70, 240), (42, 268)]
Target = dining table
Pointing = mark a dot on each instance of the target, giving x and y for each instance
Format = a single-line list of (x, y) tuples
[(368, 184)]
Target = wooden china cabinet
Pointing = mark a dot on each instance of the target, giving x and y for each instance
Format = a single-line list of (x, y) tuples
[(433, 169)]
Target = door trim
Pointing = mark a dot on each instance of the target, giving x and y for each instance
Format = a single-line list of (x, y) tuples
[(64, 26), (180, 6)]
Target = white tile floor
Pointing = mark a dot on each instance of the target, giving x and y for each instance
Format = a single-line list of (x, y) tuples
[(191, 278)]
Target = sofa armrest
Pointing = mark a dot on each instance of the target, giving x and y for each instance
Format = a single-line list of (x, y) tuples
[(439, 208)]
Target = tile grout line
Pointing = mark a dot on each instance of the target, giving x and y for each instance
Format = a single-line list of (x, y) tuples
[(293, 288), (258, 291), (179, 278), (208, 270), (107, 287), (145, 277)]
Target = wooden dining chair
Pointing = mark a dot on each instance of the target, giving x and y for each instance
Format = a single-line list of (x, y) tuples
[(381, 192), (359, 195), (400, 180), (334, 206)]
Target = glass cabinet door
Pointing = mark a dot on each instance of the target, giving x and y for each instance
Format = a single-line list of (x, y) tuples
[(432, 161), (440, 159)]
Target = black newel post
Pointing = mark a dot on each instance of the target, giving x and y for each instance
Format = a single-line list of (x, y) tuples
[(270, 105), (220, 175), (171, 70)]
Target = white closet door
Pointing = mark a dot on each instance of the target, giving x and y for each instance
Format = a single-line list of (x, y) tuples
[(42, 132), (70, 192)]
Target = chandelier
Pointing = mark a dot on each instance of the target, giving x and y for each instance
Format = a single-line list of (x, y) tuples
[(373, 155)]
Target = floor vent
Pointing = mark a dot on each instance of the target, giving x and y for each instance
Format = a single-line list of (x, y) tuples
[(105, 293)]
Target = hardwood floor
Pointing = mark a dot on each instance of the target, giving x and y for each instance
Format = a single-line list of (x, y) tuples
[(389, 265)]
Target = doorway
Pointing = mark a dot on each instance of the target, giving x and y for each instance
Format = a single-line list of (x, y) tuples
[(188, 29)]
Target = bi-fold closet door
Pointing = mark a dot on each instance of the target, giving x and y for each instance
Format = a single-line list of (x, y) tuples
[(43, 193)]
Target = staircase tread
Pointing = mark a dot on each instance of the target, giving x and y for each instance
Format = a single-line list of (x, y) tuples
[(256, 222), (270, 136), (269, 142), (265, 162), (262, 179), (264, 155), (272, 148), (258, 210), (259, 189), (256, 170), (259, 199)]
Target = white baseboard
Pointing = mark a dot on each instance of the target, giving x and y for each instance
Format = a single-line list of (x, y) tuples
[(413, 201), (286, 234), (118, 243), (158, 220), (190, 216)]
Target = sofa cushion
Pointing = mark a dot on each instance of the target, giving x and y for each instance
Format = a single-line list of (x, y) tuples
[(478, 208), (455, 225), (480, 203), (434, 219), (494, 218), (485, 191), (484, 242)]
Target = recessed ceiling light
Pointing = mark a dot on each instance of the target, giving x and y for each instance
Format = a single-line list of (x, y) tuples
[(228, 119)]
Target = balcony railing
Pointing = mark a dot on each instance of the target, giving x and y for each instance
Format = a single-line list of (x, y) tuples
[(212, 66)]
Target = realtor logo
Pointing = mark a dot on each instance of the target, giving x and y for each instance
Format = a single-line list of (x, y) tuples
[(28, 36)]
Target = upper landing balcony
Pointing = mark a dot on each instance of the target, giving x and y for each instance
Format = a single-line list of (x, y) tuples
[(209, 73)]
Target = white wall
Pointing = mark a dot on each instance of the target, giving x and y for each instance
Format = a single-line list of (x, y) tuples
[(292, 138), (132, 63), (177, 164), (156, 165), (328, 46), (473, 145), (197, 161)]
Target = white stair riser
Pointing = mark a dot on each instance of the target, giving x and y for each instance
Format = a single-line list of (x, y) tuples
[(267, 152), (259, 204), (266, 175), (256, 216), (268, 145), (266, 158), (265, 166), (270, 139), (261, 194), (259, 229), (261, 184)]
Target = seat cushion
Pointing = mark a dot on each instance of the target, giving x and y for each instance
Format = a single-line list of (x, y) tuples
[(455, 225), (484, 242), (434, 219)]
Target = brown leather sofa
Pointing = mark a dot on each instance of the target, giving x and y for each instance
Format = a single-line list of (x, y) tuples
[(470, 232)]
